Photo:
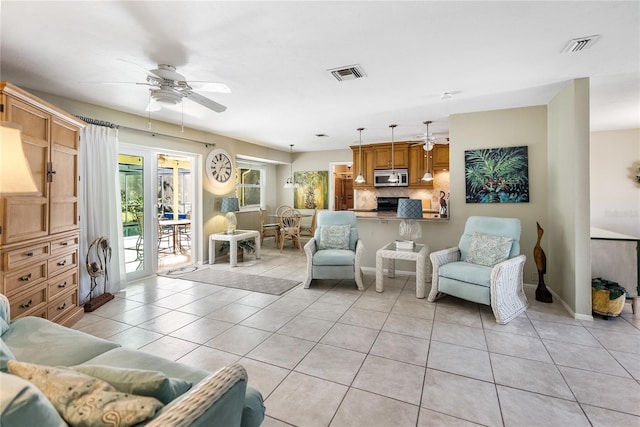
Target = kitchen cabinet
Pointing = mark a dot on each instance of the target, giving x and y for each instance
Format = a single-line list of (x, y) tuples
[(367, 166), (440, 157), (39, 235), (382, 155), (418, 166)]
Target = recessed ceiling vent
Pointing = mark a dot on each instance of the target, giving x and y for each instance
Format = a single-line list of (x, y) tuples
[(579, 44), (351, 72)]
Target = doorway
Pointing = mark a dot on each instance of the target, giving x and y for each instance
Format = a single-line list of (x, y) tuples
[(158, 208), (341, 186)]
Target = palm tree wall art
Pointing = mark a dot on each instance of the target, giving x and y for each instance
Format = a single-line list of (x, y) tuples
[(497, 175), (313, 191)]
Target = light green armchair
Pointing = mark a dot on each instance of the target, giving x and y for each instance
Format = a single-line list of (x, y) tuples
[(486, 267), (335, 250)]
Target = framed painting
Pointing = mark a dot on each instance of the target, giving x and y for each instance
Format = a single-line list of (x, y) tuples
[(497, 175), (313, 190)]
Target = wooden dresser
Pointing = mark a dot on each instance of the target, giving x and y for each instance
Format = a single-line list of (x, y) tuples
[(39, 234)]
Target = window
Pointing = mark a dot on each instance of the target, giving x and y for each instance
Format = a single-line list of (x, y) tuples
[(249, 179)]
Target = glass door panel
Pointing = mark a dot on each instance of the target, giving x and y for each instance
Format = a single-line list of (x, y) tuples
[(131, 174)]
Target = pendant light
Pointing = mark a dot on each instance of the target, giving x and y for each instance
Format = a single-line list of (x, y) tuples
[(360, 179), (393, 177), (289, 183), (428, 146)]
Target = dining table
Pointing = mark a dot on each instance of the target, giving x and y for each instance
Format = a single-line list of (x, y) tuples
[(174, 224)]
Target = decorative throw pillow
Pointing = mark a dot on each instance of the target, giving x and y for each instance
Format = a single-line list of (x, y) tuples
[(138, 381), (22, 404), (86, 401), (486, 249), (334, 236)]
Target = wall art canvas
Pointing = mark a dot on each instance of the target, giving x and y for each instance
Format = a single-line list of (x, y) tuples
[(313, 190), (497, 175)]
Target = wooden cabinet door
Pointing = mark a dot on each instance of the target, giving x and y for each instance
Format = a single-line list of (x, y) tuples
[(382, 157), (401, 155), (441, 157), (63, 198), (26, 218), (366, 169)]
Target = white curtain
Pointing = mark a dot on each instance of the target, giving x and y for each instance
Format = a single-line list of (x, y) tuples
[(100, 207)]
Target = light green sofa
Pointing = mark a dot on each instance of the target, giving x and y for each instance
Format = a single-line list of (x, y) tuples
[(222, 399)]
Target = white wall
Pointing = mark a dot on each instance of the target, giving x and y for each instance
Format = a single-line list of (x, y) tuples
[(615, 192), (569, 256)]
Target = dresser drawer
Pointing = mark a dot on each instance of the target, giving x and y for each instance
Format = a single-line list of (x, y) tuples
[(29, 302), (62, 283), (58, 264), (24, 278), (60, 306), (64, 245), (20, 257)]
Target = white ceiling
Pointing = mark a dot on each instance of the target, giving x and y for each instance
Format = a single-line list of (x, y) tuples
[(274, 57)]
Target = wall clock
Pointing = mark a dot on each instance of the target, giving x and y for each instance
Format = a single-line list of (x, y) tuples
[(218, 166)]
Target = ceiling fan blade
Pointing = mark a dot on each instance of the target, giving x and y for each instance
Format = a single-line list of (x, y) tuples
[(204, 86), (206, 102), (116, 83)]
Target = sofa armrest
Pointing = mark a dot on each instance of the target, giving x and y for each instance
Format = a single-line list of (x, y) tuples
[(507, 293), (193, 407), (309, 249), (438, 259)]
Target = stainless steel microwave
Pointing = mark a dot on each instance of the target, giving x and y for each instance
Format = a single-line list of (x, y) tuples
[(381, 178)]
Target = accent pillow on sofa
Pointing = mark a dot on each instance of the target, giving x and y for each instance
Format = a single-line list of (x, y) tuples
[(22, 404), (138, 381), (488, 250), (334, 237), (86, 401)]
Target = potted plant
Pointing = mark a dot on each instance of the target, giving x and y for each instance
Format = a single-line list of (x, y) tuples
[(248, 245), (607, 297)]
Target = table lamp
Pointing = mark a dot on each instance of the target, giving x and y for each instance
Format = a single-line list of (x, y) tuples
[(410, 210), (230, 205)]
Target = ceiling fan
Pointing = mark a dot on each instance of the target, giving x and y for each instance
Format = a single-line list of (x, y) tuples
[(428, 139), (168, 86)]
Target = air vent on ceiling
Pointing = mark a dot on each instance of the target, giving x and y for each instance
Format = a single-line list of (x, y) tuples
[(579, 44), (347, 73)]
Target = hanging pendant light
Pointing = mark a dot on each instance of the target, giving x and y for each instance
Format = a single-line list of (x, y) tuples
[(393, 176), (360, 179), (429, 139), (289, 182)]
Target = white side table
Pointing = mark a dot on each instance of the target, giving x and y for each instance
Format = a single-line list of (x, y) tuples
[(419, 254), (233, 246)]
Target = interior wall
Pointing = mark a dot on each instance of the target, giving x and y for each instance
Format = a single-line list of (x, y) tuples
[(568, 256), (615, 195), (494, 129)]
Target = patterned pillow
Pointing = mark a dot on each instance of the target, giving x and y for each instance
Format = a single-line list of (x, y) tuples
[(334, 236), (85, 401), (489, 250)]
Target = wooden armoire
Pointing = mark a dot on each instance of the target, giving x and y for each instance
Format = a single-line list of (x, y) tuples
[(39, 234)]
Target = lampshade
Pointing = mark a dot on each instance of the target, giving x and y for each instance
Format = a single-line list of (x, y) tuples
[(410, 208), (15, 175), (427, 176), (230, 204)]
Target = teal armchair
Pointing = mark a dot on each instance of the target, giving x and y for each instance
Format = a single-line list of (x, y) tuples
[(335, 250), (486, 267)]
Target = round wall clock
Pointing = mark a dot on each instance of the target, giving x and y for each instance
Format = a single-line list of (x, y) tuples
[(218, 166)]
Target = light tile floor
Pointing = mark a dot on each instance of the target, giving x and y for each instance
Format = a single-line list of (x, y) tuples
[(335, 356)]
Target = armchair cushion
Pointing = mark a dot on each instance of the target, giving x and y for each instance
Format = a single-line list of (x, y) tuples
[(22, 404), (488, 250), (334, 257), (467, 272), (334, 237), (5, 356)]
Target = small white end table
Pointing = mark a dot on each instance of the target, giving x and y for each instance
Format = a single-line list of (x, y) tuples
[(419, 254), (233, 246)]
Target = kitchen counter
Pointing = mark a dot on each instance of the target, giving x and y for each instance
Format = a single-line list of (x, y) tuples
[(427, 215)]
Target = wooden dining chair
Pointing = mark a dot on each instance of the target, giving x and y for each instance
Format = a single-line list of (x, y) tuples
[(309, 230), (268, 229), (290, 227)]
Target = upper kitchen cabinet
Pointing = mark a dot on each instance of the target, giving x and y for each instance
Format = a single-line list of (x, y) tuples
[(418, 165), (440, 157), (382, 155), (367, 166)]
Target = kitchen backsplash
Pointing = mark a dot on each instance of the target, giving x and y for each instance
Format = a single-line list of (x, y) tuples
[(367, 199)]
